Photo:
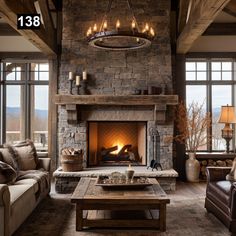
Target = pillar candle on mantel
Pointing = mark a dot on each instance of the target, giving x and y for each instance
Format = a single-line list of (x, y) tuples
[(70, 75), (85, 75), (77, 80)]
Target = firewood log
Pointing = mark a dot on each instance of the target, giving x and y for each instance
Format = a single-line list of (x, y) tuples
[(204, 163), (229, 162), (106, 151), (220, 163), (123, 149)]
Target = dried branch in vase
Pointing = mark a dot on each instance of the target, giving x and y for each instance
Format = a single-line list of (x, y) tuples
[(192, 123)]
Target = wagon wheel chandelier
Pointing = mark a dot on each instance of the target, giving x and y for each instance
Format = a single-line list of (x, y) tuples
[(119, 38)]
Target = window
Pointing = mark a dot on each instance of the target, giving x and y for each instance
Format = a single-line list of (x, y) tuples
[(211, 82), (24, 102)]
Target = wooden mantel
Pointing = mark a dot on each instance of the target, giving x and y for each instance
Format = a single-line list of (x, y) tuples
[(159, 102)]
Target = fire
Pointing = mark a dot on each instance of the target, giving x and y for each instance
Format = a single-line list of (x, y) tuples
[(119, 144)]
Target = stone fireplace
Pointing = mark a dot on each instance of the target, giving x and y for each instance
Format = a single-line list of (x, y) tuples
[(117, 143), (113, 78)]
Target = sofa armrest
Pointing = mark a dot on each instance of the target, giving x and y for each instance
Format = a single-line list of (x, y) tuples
[(4, 209), (44, 163), (4, 195), (216, 173)]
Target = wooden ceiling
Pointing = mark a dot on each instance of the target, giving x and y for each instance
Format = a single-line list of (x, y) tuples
[(45, 38), (196, 18)]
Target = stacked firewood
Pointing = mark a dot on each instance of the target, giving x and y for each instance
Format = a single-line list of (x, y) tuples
[(211, 162), (71, 151)]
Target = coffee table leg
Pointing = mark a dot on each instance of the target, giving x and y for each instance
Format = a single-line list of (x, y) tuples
[(162, 217), (79, 218)]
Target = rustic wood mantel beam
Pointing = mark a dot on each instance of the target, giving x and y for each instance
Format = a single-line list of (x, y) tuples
[(201, 15), (158, 102), (40, 37)]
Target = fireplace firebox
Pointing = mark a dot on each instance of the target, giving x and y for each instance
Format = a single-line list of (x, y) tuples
[(117, 143)]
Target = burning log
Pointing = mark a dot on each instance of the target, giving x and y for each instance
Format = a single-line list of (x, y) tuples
[(123, 150), (125, 154), (106, 151)]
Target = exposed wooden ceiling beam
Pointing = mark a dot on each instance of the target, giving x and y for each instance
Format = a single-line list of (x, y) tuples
[(7, 30), (45, 42), (202, 14), (183, 13), (221, 29), (52, 4), (230, 8)]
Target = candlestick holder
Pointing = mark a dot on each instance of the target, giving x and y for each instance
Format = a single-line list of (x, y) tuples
[(83, 87), (70, 85), (78, 89)]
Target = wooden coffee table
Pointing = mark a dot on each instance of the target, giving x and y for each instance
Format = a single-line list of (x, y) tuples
[(92, 201)]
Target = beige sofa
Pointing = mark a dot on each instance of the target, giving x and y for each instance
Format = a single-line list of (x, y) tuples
[(17, 201)]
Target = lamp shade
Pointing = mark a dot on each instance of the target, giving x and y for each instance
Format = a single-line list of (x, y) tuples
[(227, 115)]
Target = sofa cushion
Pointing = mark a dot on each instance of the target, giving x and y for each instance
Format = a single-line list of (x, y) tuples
[(232, 174), (31, 182), (9, 156), (22, 203), (41, 176), (7, 174), (26, 155)]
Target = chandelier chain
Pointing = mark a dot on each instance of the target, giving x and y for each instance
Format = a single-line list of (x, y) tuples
[(132, 12)]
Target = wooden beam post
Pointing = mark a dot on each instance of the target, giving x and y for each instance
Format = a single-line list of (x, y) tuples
[(202, 14)]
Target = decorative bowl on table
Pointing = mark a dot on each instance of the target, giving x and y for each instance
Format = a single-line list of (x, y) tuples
[(122, 183)]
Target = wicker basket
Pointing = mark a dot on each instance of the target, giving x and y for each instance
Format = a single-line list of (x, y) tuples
[(71, 163)]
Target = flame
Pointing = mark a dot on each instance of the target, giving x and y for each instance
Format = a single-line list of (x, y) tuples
[(119, 144)]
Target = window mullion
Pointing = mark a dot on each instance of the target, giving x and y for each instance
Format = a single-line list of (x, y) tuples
[(209, 102), (27, 102)]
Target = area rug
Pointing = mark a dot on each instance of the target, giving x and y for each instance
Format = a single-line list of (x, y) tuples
[(56, 217)]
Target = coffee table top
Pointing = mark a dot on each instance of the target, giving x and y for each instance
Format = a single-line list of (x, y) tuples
[(87, 192)]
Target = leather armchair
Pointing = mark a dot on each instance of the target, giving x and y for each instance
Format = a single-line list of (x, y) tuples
[(221, 196)]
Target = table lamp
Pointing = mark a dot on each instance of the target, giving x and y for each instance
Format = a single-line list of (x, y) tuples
[(227, 116)]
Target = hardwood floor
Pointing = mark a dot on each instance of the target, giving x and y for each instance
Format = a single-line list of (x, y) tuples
[(185, 190)]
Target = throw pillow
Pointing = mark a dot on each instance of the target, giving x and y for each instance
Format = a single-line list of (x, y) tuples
[(7, 174), (9, 156), (26, 155), (232, 174)]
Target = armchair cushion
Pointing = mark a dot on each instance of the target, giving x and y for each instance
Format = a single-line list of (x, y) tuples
[(26, 155), (7, 173)]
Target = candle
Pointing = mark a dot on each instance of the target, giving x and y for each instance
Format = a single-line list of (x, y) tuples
[(77, 80), (129, 168), (133, 24), (118, 25), (84, 75), (70, 75), (105, 25)]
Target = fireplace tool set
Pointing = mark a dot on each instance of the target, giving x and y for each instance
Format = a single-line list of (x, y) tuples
[(155, 138)]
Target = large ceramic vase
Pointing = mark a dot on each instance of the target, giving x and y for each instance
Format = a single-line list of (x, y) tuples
[(192, 167)]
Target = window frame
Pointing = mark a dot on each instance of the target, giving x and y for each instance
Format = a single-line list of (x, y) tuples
[(27, 99), (209, 83)]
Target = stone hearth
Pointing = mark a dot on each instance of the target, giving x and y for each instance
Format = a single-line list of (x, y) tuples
[(67, 181)]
